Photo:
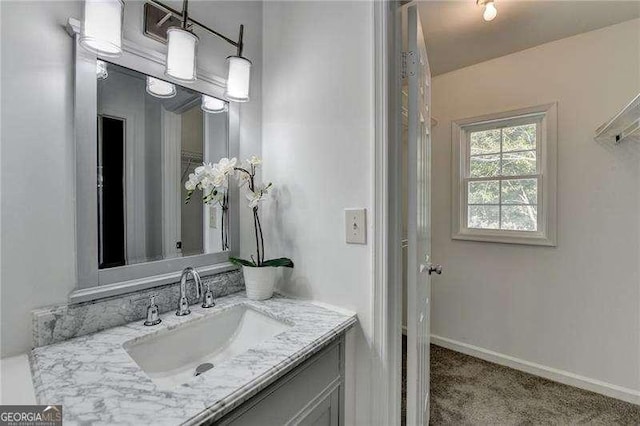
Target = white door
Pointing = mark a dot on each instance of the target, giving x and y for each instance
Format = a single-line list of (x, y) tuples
[(417, 85)]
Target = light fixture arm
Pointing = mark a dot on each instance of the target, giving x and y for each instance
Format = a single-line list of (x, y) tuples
[(240, 42), (184, 17), (185, 13)]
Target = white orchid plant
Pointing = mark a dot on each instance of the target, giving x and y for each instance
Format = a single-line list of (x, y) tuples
[(213, 181)]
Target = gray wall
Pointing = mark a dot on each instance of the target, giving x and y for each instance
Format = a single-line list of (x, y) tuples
[(191, 214), (123, 95), (318, 149), (37, 259), (153, 175)]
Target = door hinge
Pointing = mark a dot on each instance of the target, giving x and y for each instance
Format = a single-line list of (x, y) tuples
[(408, 64)]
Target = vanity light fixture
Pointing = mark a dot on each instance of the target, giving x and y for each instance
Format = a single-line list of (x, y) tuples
[(181, 50), (101, 70), (213, 105), (101, 31), (490, 11), (181, 53), (238, 79), (160, 88)]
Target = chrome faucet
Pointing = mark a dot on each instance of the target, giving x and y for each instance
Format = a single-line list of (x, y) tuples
[(153, 312), (183, 304)]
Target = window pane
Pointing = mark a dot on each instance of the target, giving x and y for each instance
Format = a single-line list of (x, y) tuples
[(519, 138), (485, 166), (484, 192), (485, 142), (520, 218), (520, 191), (519, 163), (484, 217)]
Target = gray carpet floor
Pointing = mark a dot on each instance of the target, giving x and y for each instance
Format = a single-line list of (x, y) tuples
[(469, 391)]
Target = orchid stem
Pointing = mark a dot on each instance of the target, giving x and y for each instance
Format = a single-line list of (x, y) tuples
[(255, 226), (261, 237), (256, 219)]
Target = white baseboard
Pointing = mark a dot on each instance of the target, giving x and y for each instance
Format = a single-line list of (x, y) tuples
[(565, 377)]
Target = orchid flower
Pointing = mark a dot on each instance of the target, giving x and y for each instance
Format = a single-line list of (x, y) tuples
[(254, 161), (255, 197), (213, 181)]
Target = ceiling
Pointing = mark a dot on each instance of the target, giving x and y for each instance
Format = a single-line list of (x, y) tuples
[(456, 35)]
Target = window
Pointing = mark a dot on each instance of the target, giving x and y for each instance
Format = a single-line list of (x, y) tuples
[(504, 177)]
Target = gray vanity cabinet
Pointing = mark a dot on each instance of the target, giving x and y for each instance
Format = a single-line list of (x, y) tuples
[(310, 394)]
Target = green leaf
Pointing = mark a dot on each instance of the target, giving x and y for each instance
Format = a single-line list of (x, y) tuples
[(282, 261), (485, 142), (241, 262)]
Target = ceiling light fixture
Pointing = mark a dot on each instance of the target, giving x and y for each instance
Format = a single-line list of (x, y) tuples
[(160, 88), (101, 31), (213, 105), (490, 11)]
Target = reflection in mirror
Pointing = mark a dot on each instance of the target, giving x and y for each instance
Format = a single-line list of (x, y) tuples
[(151, 136)]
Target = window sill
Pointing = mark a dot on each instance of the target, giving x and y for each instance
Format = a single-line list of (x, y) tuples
[(530, 239)]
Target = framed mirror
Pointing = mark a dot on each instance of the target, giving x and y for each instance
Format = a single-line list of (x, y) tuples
[(138, 137), (149, 141)]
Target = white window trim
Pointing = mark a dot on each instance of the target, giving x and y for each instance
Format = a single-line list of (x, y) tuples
[(547, 144)]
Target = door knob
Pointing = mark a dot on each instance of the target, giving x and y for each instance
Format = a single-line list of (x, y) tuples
[(435, 268)]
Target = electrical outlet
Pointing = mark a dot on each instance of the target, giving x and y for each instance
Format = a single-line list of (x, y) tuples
[(355, 226)]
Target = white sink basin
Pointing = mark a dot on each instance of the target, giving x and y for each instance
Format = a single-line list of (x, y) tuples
[(171, 357)]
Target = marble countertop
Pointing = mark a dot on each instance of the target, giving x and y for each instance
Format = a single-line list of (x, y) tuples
[(97, 382)]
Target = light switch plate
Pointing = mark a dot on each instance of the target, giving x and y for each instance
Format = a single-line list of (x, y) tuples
[(355, 226)]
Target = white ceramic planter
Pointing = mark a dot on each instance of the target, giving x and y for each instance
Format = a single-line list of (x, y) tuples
[(260, 282)]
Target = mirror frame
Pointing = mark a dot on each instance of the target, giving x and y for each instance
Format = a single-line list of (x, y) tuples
[(91, 282)]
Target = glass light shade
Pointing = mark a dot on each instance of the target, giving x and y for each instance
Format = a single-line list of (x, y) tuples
[(213, 105), (490, 11), (102, 27), (101, 70), (238, 79), (160, 88), (181, 54)]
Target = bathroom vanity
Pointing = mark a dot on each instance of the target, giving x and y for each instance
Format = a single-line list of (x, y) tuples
[(312, 393), (238, 361), (271, 362)]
